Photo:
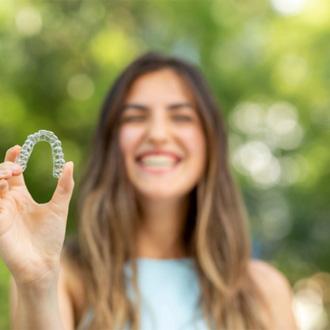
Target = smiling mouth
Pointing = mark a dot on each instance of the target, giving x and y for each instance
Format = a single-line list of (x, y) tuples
[(158, 169)]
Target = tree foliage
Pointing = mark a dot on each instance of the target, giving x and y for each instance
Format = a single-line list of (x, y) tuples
[(267, 63)]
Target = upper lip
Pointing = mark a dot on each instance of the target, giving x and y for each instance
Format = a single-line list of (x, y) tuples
[(159, 152)]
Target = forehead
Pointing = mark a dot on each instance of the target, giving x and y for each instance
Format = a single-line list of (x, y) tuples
[(164, 85)]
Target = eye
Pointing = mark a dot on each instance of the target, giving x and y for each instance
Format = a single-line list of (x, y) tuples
[(132, 118), (184, 118)]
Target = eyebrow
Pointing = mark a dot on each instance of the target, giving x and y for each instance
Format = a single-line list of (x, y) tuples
[(173, 106)]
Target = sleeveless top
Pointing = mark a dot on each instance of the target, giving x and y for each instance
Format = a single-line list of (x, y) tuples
[(169, 295)]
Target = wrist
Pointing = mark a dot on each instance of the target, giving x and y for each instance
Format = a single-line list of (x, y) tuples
[(38, 288)]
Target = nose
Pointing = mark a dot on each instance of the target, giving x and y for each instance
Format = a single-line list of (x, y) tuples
[(158, 129)]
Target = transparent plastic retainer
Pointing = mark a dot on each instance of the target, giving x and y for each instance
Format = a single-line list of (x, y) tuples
[(55, 144)]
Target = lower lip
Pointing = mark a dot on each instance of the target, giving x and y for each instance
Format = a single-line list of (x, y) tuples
[(158, 170)]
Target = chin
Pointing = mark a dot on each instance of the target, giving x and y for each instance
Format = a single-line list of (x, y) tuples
[(158, 195), (155, 194)]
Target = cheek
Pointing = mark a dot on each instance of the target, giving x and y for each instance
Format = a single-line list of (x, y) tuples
[(195, 142), (128, 138)]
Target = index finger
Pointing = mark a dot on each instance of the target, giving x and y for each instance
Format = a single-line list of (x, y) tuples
[(12, 153)]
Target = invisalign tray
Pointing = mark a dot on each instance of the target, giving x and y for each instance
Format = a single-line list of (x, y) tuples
[(55, 143)]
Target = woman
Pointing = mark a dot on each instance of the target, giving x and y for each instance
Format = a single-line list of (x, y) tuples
[(162, 237)]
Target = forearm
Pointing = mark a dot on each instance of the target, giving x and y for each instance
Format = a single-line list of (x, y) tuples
[(37, 309)]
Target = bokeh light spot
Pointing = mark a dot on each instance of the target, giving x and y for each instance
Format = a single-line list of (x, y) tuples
[(80, 87), (28, 21), (288, 7)]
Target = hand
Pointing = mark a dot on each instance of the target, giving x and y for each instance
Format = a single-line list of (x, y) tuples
[(31, 234)]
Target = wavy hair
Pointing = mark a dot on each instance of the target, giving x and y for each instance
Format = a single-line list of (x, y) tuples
[(215, 234)]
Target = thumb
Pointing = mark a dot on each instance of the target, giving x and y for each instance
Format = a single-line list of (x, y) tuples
[(64, 188)]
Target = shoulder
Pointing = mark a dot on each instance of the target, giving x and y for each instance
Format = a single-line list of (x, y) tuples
[(265, 272), (277, 292), (271, 281)]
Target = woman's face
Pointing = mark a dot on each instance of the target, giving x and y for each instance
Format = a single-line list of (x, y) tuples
[(159, 117)]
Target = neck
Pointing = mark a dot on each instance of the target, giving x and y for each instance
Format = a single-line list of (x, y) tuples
[(160, 232)]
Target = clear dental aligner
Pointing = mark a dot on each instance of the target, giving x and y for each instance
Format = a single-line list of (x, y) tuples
[(56, 146)]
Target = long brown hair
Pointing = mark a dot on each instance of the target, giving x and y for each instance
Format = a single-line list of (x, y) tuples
[(216, 233)]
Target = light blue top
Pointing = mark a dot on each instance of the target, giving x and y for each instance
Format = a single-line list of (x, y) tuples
[(169, 292)]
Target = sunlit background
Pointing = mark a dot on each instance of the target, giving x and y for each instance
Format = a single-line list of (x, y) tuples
[(268, 62)]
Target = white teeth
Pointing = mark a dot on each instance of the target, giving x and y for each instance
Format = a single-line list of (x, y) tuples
[(160, 161)]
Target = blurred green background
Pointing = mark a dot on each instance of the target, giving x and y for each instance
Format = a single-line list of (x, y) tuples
[(268, 62)]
